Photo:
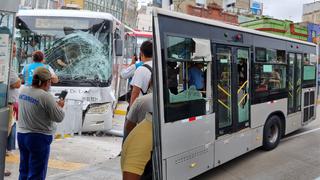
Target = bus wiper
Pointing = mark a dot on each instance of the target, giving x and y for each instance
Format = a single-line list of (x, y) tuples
[(80, 78)]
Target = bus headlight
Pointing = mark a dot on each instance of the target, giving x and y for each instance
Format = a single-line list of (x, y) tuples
[(98, 108)]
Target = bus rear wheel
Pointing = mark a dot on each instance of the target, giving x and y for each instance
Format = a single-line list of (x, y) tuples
[(271, 133)]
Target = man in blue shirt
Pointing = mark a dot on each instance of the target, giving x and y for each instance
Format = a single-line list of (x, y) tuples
[(196, 76), (38, 61)]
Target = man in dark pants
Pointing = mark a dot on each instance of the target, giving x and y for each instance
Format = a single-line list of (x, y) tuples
[(38, 113)]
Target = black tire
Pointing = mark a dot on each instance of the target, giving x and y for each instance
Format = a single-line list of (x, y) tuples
[(271, 133)]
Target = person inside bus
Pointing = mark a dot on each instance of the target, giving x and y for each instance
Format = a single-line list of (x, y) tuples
[(172, 81), (38, 61), (38, 114), (196, 76), (136, 161), (275, 79), (142, 76), (242, 71)]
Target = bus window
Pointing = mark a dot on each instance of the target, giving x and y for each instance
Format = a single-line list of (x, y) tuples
[(309, 70), (269, 77), (270, 56), (187, 68), (224, 87), (269, 72)]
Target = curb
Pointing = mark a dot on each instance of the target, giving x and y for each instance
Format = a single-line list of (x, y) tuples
[(59, 136), (120, 112)]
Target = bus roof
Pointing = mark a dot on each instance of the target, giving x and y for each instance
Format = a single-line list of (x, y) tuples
[(224, 25), (66, 13)]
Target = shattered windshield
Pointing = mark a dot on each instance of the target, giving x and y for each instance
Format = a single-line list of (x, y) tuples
[(78, 49)]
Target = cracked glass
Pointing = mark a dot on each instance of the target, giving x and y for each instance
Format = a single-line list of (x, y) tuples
[(78, 49)]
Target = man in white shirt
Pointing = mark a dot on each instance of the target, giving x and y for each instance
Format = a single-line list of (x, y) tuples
[(128, 72), (142, 76)]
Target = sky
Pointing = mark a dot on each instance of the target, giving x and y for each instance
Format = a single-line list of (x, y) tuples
[(285, 9), (280, 9)]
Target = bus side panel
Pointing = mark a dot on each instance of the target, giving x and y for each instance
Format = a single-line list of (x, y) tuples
[(191, 163), (182, 136), (231, 146), (261, 112), (293, 122)]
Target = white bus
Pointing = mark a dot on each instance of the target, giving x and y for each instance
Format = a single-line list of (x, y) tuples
[(255, 88), (85, 50)]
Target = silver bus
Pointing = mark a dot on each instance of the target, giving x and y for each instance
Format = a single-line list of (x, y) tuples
[(84, 49), (252, 89)]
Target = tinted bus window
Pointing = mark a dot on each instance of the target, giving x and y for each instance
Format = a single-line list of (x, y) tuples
[(186, 71)]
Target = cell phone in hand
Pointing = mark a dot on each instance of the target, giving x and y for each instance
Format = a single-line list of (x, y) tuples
[(63, 94)]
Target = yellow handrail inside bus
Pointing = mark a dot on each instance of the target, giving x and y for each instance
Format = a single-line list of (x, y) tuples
[(244, 84), (223, 90), (243, 98), (223, 104)]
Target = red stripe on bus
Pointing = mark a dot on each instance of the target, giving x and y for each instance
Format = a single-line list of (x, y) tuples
[(192, 119)]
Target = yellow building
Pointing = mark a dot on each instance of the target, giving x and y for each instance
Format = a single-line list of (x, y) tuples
[(80, 3)]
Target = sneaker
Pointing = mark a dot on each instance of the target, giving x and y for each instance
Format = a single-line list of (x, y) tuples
[(7, 173)]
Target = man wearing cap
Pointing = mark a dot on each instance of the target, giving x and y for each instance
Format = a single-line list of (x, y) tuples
[(38, 115), (38, 61)]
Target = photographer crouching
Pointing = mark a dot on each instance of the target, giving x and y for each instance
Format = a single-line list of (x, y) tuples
[(38, 115)]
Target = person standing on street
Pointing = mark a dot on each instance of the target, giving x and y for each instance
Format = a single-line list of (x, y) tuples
[(141, 106), (128, 72), (13, 93), (142, 76), (38, 115), (136, 155), (38, 61)]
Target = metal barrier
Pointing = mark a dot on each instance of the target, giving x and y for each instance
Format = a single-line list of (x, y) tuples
[(72, 122)]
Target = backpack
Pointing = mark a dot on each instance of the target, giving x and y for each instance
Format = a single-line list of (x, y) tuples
[(150, 82)]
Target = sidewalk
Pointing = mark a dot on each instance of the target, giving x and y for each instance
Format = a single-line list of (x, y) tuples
[(106, 170)]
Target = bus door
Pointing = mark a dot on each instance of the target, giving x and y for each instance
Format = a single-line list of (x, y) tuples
[(232, 89), (294, 84), (184, 118)]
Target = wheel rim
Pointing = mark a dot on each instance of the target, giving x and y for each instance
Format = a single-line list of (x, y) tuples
[(273, 133)]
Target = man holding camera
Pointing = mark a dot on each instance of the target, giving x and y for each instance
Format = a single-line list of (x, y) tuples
[(38, 115)]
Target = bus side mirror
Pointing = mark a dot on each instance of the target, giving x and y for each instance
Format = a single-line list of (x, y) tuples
[(118, 47)]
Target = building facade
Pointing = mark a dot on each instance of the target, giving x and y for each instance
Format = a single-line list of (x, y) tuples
[(213, 11), (249, 7), (41, 4), (130, 13), (123, 10), (114, 7), (144, 20), (311, 12), (279, 27)]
